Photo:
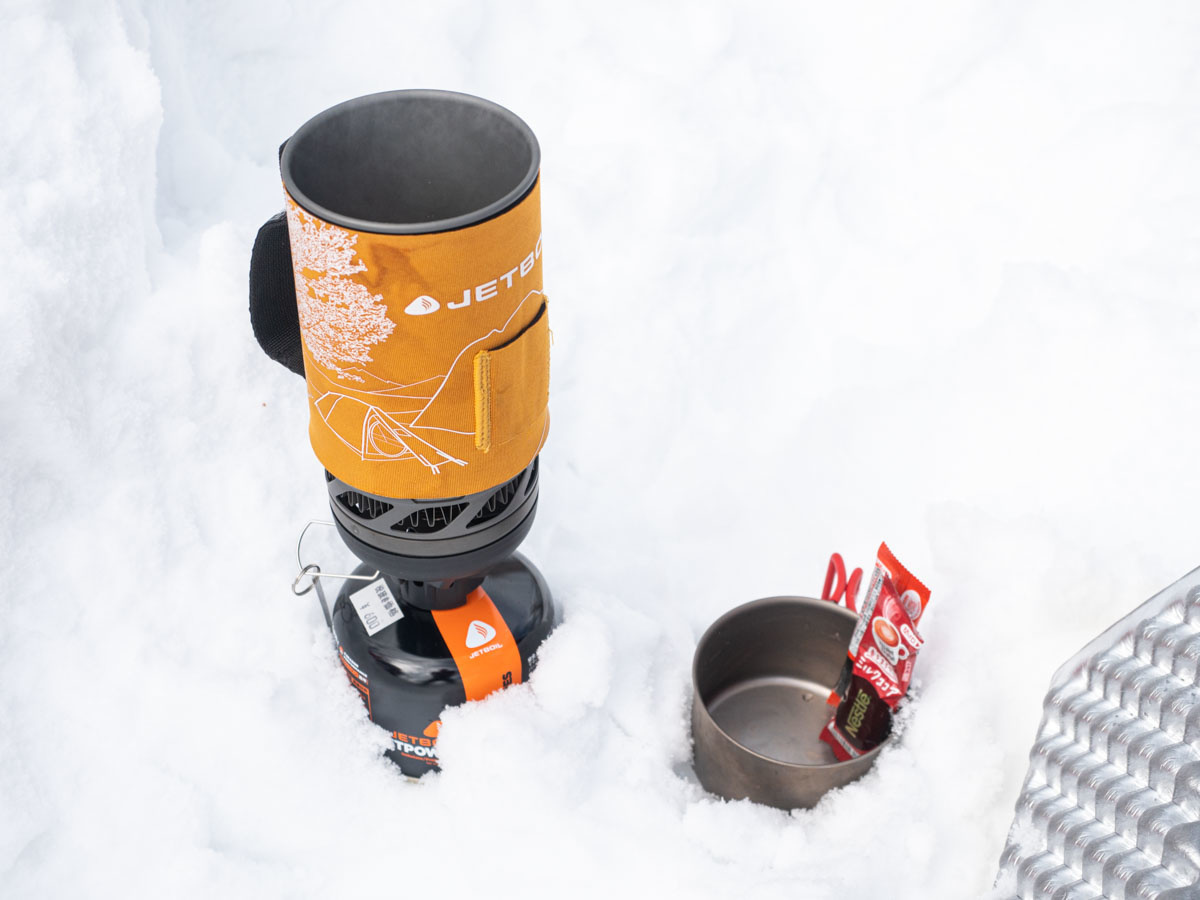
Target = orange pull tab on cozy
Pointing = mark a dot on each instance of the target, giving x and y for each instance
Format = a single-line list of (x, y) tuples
[(512, 385), (482, 646)]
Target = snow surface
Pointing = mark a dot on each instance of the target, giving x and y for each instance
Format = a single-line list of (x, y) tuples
[(823, 274)]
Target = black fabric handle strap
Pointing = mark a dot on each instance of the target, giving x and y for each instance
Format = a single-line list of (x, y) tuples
[(273, 314)]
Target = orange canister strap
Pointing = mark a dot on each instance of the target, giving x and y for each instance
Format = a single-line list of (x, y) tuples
[(483, 648)]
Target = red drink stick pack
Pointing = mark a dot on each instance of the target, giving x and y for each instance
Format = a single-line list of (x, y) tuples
[(913, 596), (884, 650)]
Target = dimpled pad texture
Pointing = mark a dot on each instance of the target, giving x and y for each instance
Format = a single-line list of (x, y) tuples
[(1111, 803)]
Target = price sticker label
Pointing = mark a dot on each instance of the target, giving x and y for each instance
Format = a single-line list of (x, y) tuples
[(376, 607)]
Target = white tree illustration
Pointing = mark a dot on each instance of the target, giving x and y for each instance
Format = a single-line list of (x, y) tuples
[(339, 317)]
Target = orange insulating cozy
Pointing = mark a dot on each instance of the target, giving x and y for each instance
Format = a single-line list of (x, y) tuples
[(427, 356)]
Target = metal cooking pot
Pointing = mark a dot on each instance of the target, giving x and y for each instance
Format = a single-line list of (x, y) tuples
[(761, 674)]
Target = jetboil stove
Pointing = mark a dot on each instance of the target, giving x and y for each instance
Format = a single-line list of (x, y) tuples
[(404, 282)]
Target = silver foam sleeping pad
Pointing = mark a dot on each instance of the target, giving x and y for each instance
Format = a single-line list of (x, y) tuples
[(1111, 803)]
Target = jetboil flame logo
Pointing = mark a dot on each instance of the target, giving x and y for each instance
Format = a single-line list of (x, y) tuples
[(424, 304), (478, 634)]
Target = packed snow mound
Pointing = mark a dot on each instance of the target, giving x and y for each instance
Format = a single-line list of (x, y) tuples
[(924, 274)]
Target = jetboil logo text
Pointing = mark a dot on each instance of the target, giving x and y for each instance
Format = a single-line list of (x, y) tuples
[(424, 305), (422, 747)]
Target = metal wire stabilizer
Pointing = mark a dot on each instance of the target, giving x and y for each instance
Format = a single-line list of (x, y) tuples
[(313, 572)]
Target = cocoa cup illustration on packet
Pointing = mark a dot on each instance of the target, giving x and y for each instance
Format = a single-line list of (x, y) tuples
[(879, 661)]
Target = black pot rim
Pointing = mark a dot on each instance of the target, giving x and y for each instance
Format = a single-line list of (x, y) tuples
[(488, 211)]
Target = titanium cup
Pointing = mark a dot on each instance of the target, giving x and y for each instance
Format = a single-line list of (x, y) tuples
[(761, 675)]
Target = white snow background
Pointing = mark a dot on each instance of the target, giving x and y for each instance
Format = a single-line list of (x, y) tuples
[(822, 274)]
